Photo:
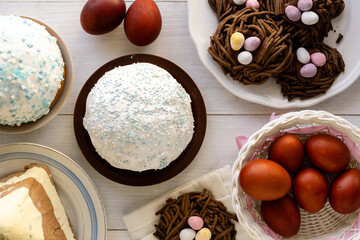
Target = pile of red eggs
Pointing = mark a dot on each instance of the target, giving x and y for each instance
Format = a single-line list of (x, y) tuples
[(282, 183), (142, 20)]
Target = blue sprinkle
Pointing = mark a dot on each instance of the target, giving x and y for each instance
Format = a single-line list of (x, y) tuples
[(30, 45)]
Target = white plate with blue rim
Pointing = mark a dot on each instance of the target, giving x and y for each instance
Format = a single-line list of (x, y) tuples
[(203, 23), (77, 192)]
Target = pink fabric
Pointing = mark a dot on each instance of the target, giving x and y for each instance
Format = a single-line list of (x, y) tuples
[(354, 150)]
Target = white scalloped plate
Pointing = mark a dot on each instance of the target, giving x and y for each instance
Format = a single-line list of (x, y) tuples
[(203, 23), (78, 194)]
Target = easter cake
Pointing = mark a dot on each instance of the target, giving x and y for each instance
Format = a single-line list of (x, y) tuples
[(139, 117), (31, 71), (259, 39), (31, 207)]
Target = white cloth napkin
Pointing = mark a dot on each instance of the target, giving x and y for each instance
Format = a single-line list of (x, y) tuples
[(140, 223)]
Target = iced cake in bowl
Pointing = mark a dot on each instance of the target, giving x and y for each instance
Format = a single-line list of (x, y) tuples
[(35, 74), (140, 120)]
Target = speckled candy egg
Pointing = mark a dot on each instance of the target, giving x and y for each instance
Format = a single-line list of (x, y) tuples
[(237, 41), (293, 13), (319, 59), (303, 55), (309, 18), (305, 5), (252, 3), (195, 222), (203, 234), (187, 234), (245, 57), (308, 71), (252, 43), (239, 2)]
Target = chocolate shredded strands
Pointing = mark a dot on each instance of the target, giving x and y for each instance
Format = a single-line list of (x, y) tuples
[(295, 86), (175, 213), (270, 59), (280, 38)]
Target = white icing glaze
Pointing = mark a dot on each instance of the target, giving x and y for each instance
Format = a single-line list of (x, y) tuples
[(139, 117), (41, 176), (31, 70), (19, 218)]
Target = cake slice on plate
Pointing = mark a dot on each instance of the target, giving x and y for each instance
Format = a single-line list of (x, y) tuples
[(30, 207)]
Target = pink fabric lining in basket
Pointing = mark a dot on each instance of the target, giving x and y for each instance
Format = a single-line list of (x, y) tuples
[(355, 153)]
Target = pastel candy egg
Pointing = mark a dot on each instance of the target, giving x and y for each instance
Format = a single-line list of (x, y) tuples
[(252, 43), (252, 3), (245, 57), (303, 55), (305, 5), (237, 41), (319, 59), (203, 234), (308, 71), (195, 222), (187, 234), (309, 18), (292, 13), (239, 2)]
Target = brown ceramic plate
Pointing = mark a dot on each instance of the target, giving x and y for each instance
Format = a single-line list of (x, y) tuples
[(148, 177), (69, 73)]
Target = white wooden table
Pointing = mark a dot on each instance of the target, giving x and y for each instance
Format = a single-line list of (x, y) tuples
[(227, 115)]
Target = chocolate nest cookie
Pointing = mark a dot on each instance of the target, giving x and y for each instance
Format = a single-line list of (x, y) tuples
[(176, 212), (305, 35), (293, 85), (272, 56), (224, 8)]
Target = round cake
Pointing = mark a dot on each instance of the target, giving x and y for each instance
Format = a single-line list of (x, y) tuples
[(31, 70), (139, 117)]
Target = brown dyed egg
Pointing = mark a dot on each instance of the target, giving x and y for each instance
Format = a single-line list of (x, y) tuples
[(264, 179), (328, 153), (344, 193), (310, 189), (282, 216), (288, 151), (142, 22)]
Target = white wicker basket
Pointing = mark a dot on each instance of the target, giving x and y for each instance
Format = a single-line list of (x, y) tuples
[(326, 224)]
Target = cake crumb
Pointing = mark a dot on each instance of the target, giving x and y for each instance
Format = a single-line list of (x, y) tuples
[(340, 37)]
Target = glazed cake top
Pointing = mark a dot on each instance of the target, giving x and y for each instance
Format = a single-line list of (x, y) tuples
[(139, 117)]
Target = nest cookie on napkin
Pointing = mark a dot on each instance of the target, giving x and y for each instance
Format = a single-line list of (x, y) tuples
[(251, 47), (140, 223), (294, 84)]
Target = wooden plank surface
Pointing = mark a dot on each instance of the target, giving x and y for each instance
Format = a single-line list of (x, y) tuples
[(228, 116)]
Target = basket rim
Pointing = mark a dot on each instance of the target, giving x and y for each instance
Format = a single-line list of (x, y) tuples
[(285, 121)]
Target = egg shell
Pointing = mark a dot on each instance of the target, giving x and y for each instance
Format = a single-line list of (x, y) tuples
[(309, 18), (305, 5), (293, 13), (237, 40), (239, 2), (319, 59), (303, 55), (282, 215), (310, 189), (203, 234), (252, 43), (308, 71), (252, 3), (187, 234), (245, 57), (195, 222), (344, 195), (264, 179)]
